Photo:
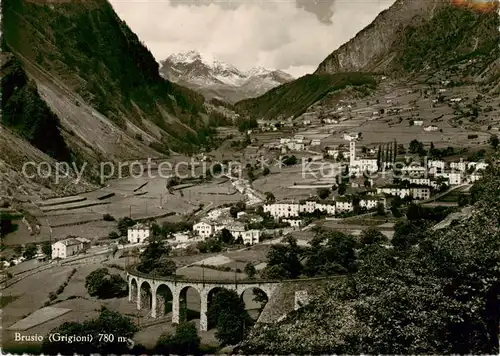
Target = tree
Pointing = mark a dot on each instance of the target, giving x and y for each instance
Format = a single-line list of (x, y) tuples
[(380, 209), (283, 260), (270, 198), (331, 252), (415, 146), (185, 341), (234, 211), (113, 235), (408, 233), (29, 251), (108, 217), (323, 193), (166, 267), (6, 224), (101, 284), (153, 256), (124, 224), (342, 189), (227, 313), (290, 160), (209, 245), (414, 212), (225, 236), (47, 249), (18, 249), (250, 270), (372, 236), (108, 322), (266, 171), (250, 175), (494, 141), (367, 184), (463, 200)]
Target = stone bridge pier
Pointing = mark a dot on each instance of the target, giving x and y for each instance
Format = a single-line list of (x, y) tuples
[(155, 294)]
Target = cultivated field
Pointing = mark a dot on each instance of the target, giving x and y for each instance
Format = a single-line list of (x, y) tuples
[(21, 299)]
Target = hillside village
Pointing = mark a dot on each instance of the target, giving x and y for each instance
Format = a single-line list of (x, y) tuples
[(349, 211)]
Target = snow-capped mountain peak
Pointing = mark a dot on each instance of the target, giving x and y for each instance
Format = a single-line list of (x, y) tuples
[(258, 71), (185, 57), (206, 73)]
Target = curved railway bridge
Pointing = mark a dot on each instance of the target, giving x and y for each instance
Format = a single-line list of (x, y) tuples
[(155, 292)]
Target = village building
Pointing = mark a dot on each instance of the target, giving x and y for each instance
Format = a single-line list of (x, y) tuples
[(460, 166), (203, 229), (293, 222), (431, 128), (330, 121), (454, 178), (371, 203), (343, 204), (414, 191), (438, 164), (282, 209), (351, 136), (360, 165), (69, 247), (394, 190), (138, 233), (477, 165)]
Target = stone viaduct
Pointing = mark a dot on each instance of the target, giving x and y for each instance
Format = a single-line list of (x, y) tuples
[(151, 292)]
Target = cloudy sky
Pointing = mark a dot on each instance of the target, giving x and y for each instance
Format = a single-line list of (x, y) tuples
[(292, 35)]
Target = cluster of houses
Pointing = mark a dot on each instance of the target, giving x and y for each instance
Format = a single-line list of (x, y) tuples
[(207, 228), (289, 211), (219, 219), (453, 173), (297, 143)]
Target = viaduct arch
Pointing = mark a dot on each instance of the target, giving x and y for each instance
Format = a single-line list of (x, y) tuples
[(148, 292)]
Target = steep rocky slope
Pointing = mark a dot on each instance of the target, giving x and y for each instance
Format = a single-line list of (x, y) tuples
[(100, 80), (217, 79), (416, 35), (438, 38)]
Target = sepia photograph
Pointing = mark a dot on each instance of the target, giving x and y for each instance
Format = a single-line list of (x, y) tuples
[(250, 177)]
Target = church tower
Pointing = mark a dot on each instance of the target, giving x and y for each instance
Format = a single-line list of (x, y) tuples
[(352, 152)]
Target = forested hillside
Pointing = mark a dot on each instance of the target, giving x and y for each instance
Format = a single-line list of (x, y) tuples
[(292, 99), (85, 48)]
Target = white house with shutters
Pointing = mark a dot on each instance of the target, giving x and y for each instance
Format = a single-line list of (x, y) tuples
[(203, 229), (69, 247), (138, 233)]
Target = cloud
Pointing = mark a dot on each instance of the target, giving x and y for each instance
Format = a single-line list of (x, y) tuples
[(272, 34)]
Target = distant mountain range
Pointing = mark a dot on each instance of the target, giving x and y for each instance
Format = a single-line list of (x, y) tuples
[(217, 79)]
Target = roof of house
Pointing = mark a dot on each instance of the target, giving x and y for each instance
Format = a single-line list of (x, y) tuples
[(70, 242), (139, 226), (393, 186), (343, 199)]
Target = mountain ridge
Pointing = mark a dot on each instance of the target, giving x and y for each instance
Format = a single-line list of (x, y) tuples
[(381, 46), (216, 79)]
